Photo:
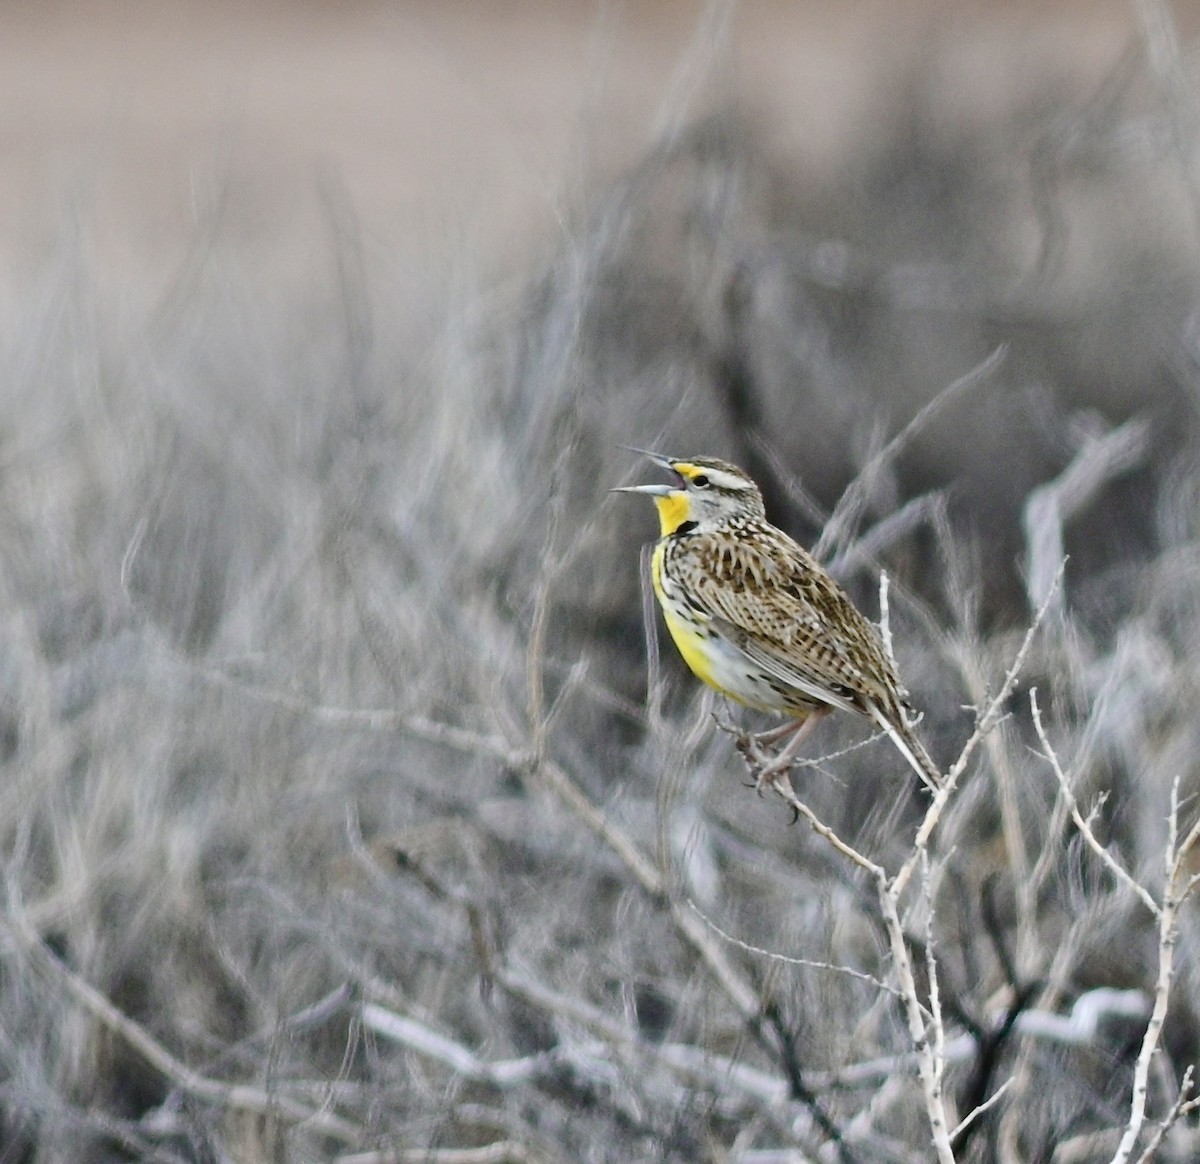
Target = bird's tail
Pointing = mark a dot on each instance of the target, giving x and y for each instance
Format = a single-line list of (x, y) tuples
[(910, 747)]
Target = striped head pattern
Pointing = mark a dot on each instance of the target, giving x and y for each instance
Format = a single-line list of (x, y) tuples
[(707, 494)]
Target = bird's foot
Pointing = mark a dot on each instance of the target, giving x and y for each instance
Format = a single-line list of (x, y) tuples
[(766, 769), (758, 761)]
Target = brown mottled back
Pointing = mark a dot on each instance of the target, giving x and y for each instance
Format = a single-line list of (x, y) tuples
[(772, 600)]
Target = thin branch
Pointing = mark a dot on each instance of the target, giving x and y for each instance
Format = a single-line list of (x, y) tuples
[(986, 722), (885, 619), (867, 548), (740, 993), (1168, 935), (859, 490), (236, 1096), (929, 1067), (1047, 509), (789, 960), (1180, 1108), (500, 1152), (398, 1028), (936, 1029), (980, 1109), (783, 786), (1088, 1011), (1084, 826)]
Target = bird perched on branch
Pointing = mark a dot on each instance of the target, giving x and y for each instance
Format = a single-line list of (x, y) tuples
[(755, 616)]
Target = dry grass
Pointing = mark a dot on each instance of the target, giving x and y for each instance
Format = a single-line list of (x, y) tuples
[(338, 819)]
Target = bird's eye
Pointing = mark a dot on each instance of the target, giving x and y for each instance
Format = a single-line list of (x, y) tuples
[(700, 481)]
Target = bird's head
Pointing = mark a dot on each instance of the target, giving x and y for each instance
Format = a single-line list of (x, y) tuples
[(706, 494)]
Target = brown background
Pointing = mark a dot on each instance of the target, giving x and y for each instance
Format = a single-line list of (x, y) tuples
[(451, 122)]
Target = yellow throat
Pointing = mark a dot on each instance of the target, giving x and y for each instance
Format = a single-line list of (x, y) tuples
[(673, 510)]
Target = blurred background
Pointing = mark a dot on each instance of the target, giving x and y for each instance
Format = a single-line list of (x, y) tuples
[(464, 123), (329, 718)]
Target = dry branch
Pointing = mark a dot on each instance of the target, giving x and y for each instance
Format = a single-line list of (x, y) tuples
[(234, 1096)]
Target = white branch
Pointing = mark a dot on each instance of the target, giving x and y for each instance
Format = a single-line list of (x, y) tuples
[(859, 490), (1084, 825), (924, 1037), (885, 621), (1082, 1024), (987, 721), (235, 1096), (500, 1152), (936, 1027), (1080, 1028), (1168, 935), (1049, 507), (790, 960), (1177, 886), (417, 1037), (1181, 1107), (972, 1116)]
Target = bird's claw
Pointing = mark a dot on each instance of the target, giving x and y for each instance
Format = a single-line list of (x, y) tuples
[(765, 768)]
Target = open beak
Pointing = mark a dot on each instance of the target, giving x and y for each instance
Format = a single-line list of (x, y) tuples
[(657, 458), (652, 490)]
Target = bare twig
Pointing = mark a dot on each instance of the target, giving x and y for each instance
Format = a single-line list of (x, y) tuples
[(1079, 1028), (500, 1152), (1174, 895), (783, 786), (936, 1027), (1048, 508), (986, 722), (1177, 885), (1083, 825), (1180, 1108), (924, 1020), (789, 960), (418, 1037), (976, 1112), (885, 617), (927, 1036), (236, 1096), (1088, 1011), (926, 1033), (868, 547), (857, 494)]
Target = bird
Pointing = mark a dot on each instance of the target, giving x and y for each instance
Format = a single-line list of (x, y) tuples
[(756, 617)]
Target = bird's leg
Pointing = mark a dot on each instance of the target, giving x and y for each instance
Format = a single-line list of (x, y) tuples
[(750, 744), (777, 733), (777, 765)]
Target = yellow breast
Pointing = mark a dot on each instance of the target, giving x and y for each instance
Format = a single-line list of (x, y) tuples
[(712, 657), (693, 640)]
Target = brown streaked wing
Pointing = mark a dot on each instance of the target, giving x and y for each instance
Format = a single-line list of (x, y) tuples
[(772, 600)]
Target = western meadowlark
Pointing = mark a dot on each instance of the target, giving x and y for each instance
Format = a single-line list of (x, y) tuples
[(755, 616)]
